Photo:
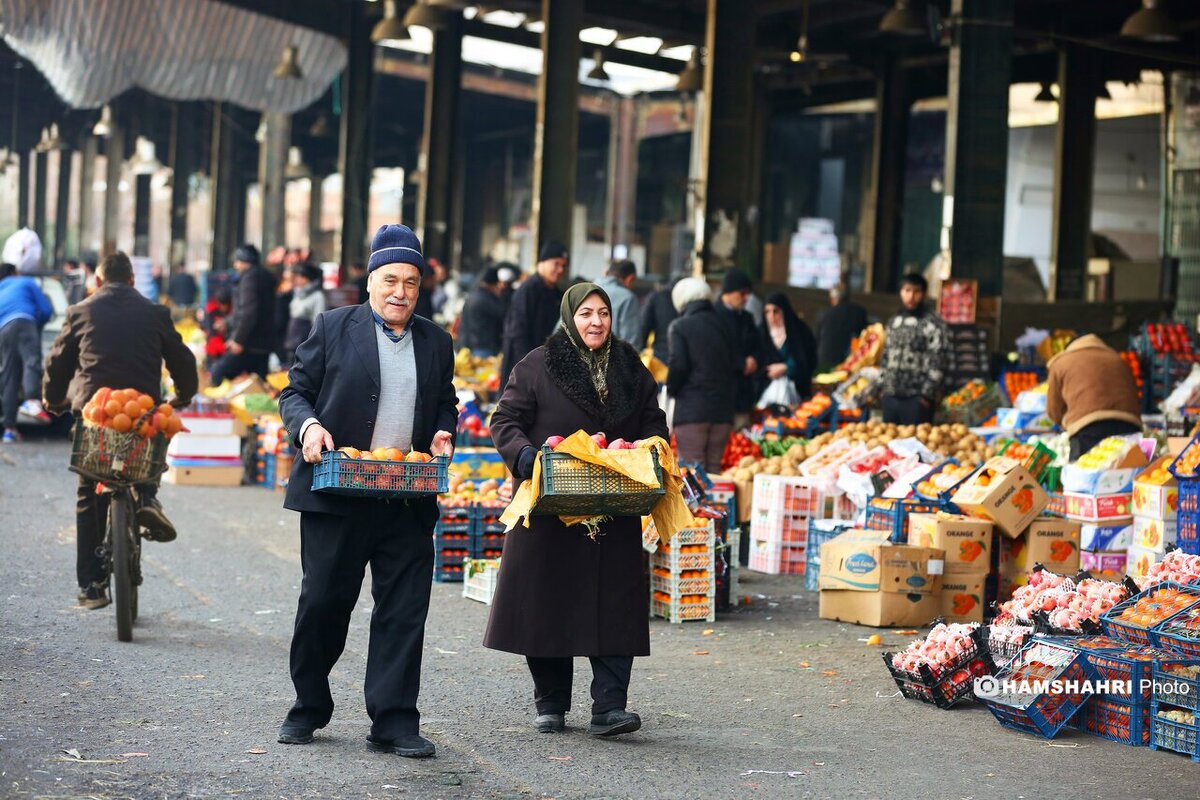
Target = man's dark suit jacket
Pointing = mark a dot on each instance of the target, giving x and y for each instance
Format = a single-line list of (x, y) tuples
[(335, 378)]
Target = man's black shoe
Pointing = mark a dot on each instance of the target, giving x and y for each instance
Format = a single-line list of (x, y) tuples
[(151, 517), (411, 746), (549, 723), (295, 733), (614, 723)]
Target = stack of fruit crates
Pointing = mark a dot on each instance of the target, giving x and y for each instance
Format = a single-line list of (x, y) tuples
[(487, 531), (780, 512), (451, 544), (683, 577), (1174, 704)]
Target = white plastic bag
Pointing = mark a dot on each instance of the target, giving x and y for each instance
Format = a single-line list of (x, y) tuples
[(779, 392)]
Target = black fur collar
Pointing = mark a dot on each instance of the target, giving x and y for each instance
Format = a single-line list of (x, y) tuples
[(567, 370)]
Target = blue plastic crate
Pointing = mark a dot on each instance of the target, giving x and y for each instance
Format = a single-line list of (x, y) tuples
[(819, 532), (486, 543), (1123, 723), (1124, 666), (1120, 629), (1187, 532), (385, 480), (1176, 690), (1179, 737), (1043, 713), (1171, 633), (894, 517)]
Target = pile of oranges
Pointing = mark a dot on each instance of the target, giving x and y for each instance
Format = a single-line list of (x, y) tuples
[(1188, 461), (972, 391), (1017, 381), (686, 599), (131, 411), (1156, 606)]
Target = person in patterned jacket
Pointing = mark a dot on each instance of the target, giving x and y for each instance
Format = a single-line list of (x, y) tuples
[(914, 357)]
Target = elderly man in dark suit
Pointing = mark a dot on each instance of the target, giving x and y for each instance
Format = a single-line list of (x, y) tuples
[(368, 376)]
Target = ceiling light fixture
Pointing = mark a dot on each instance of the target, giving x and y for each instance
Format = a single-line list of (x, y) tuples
[(1045, 95), (691, 79), (390, 28), (1150, 24), (598, 73), (424, 15), (103, 126), (288, 68), (903, 20)]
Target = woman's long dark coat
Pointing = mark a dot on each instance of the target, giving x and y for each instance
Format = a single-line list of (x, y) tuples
[(560, 593)]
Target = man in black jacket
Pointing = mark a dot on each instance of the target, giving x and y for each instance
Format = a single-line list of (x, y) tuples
[(702, 367), (534, 311), (657, 315), (739, 324), (253, 334), (370, 376), (117, 339), (841, 322), (482, 327)]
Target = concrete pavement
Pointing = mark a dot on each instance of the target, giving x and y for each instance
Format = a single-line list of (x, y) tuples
[(767, 702)]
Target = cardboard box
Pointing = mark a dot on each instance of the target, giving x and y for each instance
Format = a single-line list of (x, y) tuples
[(1154, 534), (185, 445), (213, 425), (1112, 534), (968, 543), (880, 609), (1139, 560), (1176, 445), (1049, 541), (1105, 481), (1159, 500), (1109, 565), (204, 476), (963, 597), (744, 494), (864, 561), (1097, 507), (1012, 498)]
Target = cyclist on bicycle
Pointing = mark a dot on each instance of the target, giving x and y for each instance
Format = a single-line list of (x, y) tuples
[(119, 339)]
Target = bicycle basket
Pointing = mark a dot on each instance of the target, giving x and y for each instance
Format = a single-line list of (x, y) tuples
[(108, 455)]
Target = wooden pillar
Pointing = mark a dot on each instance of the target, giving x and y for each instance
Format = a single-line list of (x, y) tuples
[(1074, 165)]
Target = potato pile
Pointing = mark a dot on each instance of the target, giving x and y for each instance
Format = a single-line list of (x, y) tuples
[(785, 464), (954, 441)]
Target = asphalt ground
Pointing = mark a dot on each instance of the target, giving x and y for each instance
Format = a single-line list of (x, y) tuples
[(768, 701)]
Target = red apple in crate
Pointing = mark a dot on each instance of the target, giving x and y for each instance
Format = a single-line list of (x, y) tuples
[(617, 444), (554, 441), (601, 440)]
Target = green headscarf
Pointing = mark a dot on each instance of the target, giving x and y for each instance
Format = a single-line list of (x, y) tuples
[(595, 360)]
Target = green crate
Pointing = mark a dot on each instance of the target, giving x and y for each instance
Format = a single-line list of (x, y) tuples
[(572, 487)]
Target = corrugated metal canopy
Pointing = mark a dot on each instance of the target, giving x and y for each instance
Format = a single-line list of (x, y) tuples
[(93, 50)]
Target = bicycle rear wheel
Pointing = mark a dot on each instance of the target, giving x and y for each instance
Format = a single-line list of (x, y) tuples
[(121, 533)]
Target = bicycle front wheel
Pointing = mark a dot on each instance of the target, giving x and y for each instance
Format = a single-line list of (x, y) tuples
[(121, 533)]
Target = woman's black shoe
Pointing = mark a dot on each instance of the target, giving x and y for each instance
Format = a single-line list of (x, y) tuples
[(549, 723), (614, 723), (411, 746), (295, 733)]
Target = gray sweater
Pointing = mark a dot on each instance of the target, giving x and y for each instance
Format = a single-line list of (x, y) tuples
[(397, 392)]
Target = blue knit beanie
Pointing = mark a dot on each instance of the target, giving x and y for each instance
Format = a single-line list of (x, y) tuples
[(395, 244)]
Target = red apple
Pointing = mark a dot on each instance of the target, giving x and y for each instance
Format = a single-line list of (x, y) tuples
[(639, 443), (617, 444), (600, 439), (554, 441)]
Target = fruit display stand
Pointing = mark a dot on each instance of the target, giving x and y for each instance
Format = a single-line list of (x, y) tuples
[(1186, 470), (683, 576), (973, 403), (1038, 710)]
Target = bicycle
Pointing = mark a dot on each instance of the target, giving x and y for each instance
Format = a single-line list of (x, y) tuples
[(117, 462)]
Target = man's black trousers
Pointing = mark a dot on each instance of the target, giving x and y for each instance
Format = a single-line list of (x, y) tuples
[(334, 552)]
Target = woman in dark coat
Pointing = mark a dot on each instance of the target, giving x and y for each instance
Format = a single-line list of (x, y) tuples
[(561, 593), (787, 343)]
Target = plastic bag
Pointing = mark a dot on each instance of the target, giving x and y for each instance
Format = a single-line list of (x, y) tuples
[(779, 392)]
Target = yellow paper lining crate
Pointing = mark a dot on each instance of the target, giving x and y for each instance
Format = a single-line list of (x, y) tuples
[(480, 578)]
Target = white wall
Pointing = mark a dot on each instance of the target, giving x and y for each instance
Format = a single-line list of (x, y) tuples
[(1127, 150)]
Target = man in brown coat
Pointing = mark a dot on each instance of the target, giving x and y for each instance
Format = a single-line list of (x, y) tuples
[(1092, 394), (119, 339)]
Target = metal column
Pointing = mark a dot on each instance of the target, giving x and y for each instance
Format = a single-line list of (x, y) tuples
[(883, 221), (40, 163), (62, 206), (222, 188), (114, 161), (354, 141), (271, 165), (726, 133), (181, 159), (556, 137), (440, 143), (316, 186), (624, 132), (1074, 164), (977, 140), (141, 214), (87, 172), (25, 165)]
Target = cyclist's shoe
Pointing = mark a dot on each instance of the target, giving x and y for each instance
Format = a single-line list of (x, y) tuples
[(11, 436), (35, 411), (154, 522), (94, 596)]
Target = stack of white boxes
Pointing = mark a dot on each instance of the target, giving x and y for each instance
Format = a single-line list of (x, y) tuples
[(813, 258), (209, 454), (780, 511)]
